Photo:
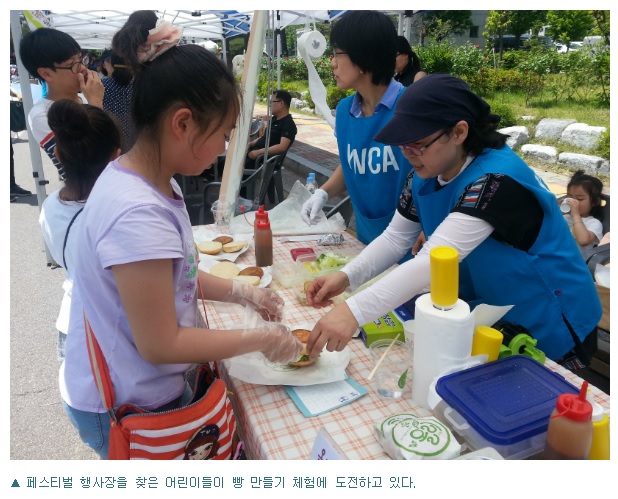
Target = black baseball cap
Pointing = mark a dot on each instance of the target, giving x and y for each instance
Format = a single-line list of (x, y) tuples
[(434, 102)]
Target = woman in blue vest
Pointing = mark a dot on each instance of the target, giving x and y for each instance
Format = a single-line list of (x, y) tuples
[(469, 191), (364, 51)]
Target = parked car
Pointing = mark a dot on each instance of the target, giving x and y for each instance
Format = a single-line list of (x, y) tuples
[(563, 49), (508, 42)]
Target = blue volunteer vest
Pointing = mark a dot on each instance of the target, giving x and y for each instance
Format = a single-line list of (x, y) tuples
[(547, 281), (374, 173)]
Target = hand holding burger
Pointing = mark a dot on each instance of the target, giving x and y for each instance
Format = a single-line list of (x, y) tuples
[(303, 360), (277, 344)]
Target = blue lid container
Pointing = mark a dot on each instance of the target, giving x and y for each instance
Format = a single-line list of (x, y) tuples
[(506, 401)]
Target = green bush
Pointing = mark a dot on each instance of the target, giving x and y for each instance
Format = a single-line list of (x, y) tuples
[(467, 60), (293, 68), (602, 148), (435, 58), (262, 86), (506, 80), (295, 87), (511, 59), (506, 113), (334, 94)]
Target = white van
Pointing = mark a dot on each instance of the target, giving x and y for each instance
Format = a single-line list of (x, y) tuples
[(594, 42)]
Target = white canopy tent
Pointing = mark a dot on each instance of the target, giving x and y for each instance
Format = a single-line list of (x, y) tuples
[(94, 29)]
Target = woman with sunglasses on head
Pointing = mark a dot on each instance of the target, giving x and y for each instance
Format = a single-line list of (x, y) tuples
[(469, 191), (364, 50)]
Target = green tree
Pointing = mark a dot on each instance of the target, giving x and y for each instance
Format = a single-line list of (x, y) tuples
[(522, 21), (569, 25), (497, 25), (601, 27), (439, 24)]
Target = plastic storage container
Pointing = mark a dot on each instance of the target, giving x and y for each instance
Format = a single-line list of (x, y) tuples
[(505, 404), (305, 269)]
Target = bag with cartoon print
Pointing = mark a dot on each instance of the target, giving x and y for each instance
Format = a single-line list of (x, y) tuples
[(203, 429)]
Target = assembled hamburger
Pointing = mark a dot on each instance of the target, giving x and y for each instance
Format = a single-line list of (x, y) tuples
[(303, 359)]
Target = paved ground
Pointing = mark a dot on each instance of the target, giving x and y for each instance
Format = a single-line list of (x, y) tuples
[(39, 428)]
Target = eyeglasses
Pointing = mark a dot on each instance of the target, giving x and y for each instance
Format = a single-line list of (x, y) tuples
[(273, 101), (74, 68), (337, 54), (418, 151)]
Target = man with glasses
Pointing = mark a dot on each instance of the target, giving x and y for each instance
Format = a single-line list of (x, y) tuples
[(282, 130), (56, 59)]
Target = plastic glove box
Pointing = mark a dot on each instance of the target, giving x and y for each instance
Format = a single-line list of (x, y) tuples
[(504, 404)]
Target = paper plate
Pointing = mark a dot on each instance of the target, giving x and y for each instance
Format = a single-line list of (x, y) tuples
[(207, 263), (199, 238)]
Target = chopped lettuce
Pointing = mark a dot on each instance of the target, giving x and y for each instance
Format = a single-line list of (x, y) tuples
[(327, 261)]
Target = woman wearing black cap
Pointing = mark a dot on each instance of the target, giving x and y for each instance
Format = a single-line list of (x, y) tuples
[(471, 192), (407, 64)]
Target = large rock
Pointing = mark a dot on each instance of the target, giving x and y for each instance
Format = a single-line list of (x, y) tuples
[(518, 135), (590, 164), (549, 128), (582, 135), (542, 154), (604, 168), (298, 103)]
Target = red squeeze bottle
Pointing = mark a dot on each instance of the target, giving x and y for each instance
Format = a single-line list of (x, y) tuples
[(263, 238), (569, 434)]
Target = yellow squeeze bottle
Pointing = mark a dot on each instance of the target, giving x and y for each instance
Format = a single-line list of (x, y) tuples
[(444, 277), (599, 449)]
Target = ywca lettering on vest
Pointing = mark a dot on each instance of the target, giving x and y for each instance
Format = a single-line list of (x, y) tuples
[(377, 159)]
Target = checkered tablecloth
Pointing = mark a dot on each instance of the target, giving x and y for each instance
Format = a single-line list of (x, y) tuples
[(271, 425)]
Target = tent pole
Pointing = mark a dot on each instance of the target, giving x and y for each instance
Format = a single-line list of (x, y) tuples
[(408, 26), (237, 149), (224, 51), (35, 150), (278, 50)]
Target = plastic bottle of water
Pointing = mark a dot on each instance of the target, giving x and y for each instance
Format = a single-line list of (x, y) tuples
[(311, 184)]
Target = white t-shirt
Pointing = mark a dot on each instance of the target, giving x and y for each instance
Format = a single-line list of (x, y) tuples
[(37, 120), (592, 224), (55, 217), (126, 219)]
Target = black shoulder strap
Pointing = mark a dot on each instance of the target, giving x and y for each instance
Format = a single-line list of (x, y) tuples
[(66, 236)]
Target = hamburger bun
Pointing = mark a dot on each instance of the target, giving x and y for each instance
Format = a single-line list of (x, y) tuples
[(223, 239), (234, 246), (210, 247), (253, 271), (253, 280), (226, 270), (303, 359)]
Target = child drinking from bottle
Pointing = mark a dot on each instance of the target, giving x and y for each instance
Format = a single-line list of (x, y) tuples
[(585, 212)]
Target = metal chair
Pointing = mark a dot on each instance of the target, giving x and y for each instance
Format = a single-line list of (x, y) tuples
[(345, 208), (256, 180), (275, 189)]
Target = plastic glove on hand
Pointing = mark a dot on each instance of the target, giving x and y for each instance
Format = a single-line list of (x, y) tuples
[(278, 343), (266, 302), (312, 208)]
